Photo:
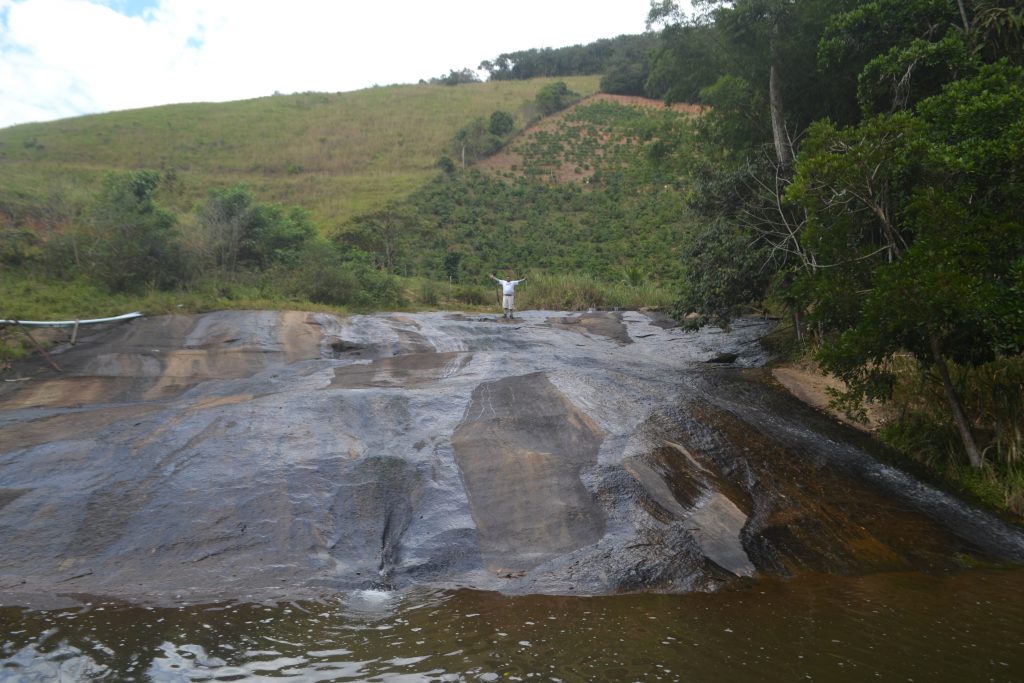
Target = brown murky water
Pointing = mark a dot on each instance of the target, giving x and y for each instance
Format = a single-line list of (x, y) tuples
[(889, 627)]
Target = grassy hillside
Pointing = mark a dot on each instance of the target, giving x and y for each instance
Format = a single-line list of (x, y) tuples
[(335, 154), (583, 201)]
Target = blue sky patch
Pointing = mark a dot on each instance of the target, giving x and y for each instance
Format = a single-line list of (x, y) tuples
[(130, 8)]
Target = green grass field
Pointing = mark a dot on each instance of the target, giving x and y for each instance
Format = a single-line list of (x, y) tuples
[(335, 154)]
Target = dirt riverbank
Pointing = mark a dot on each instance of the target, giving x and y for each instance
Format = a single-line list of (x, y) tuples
[(806, 382)]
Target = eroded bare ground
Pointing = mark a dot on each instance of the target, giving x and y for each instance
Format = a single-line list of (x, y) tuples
[(258, 455)]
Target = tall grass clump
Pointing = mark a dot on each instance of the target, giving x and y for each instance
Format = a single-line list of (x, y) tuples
[(992, 397), (566, 292), (635, 297), (580, 292), (474, 295), (430, 293), (433, 294)]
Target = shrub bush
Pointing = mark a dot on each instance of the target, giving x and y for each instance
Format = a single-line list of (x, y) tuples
[(562, 292), (380, 290), (475, 295), (130, 240), (17, 245), (555, 97), (430, 293)]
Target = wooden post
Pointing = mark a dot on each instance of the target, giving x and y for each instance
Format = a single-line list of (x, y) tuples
[(39, 348)]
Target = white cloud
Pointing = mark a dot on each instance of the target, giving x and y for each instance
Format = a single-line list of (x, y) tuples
[(61, 58)]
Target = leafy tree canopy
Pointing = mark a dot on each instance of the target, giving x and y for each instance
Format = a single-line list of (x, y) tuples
[(904, 121), (129, 241), (241, 232), (555, 97), (576, 60)]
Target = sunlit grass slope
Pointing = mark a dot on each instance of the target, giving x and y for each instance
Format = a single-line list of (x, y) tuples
[(335, 154)]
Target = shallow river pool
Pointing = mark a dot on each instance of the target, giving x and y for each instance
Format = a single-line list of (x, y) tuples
[(889, 627)]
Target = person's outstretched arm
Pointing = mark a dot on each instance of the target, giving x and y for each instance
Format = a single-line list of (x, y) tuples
[(494, 278)]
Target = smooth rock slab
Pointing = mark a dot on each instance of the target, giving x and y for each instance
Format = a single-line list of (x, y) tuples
[(254, 455), (520, 449)]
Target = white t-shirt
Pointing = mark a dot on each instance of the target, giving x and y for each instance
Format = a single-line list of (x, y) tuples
[(508, 287)]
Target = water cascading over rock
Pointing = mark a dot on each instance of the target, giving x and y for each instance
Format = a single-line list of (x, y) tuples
[(262, 455)]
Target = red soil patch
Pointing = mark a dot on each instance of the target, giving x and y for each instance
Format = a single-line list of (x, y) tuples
[(632, 101), (509, 160)]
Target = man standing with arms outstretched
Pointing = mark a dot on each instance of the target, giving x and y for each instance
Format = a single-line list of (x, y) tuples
[(508, 294)]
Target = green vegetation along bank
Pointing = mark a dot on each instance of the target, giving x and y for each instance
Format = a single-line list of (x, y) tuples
[(860, 169)]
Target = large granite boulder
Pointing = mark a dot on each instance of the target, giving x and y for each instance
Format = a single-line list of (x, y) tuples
[(262, 455)]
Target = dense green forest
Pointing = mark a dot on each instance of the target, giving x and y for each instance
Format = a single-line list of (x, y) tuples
[(861, 169), (856, 171)]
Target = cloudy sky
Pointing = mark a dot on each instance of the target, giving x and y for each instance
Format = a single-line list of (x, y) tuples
[(61, 58)]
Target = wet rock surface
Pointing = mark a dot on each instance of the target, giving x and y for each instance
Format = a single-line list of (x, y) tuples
[(265, 455)]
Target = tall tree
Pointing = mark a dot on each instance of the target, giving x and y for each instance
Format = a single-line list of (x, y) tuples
[(920, 207), (240, 232), (383, 233), (132, 241), (771, 44)]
